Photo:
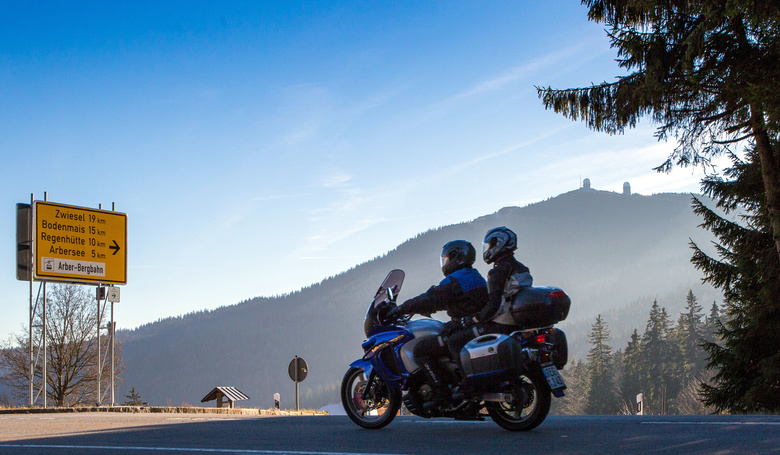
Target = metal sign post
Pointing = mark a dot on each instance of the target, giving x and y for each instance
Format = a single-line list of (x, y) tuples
[(101, 293), (113, 297), (71, 244), (25, 258), (298, 371), (44, 386)]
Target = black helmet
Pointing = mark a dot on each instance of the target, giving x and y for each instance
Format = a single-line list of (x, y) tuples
[(498, 241), (456, 255)]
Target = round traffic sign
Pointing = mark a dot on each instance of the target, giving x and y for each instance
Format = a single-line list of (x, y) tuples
[(298, 369)]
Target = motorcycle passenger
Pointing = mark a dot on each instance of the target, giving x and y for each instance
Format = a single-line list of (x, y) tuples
[(498, 248), (462, 293)]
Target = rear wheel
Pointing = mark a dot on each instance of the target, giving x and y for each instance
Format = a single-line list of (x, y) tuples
[(529, 406), (370, 405)]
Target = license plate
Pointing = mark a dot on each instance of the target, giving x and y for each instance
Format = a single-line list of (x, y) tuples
[(553, 377)]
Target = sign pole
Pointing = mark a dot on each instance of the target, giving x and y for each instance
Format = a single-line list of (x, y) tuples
[(32, 310), (297, 408), (298, 371), (99, 363), (32, 351), (45, 351), (113, 331), (99, 366)]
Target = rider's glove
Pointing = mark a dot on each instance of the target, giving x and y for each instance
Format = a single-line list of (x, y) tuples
[(394, 313), (467, 322), (458, 324)]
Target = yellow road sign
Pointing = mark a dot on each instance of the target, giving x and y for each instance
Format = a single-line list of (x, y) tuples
[(79, 244)]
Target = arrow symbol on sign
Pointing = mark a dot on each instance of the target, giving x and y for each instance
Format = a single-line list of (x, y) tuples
[(114, 247)]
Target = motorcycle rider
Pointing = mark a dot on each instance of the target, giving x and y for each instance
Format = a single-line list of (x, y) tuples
[(497, 248), (462, 293), (505, 279)]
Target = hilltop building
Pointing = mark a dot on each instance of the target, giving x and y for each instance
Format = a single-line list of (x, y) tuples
[(586, 186)]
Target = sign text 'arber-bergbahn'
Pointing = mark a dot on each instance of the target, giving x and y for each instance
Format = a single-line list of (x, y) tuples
[(79, 244)]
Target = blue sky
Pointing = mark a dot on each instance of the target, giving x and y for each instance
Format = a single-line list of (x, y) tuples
[(259, 147)]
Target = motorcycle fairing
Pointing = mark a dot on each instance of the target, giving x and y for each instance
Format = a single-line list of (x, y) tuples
[(368, 371), (420, 328), (380, 340), (364, 365), (395, 373)]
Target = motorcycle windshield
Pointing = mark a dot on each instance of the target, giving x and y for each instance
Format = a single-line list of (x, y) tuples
[(393, 281)]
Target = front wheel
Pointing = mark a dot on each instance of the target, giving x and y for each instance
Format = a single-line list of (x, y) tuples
[(370, 405), (529, 406)]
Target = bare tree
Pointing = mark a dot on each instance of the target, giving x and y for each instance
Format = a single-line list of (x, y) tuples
[(577, 387), (71, 349), (690, 400)]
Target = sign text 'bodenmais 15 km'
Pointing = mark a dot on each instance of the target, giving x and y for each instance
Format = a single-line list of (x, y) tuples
[(79, 244)]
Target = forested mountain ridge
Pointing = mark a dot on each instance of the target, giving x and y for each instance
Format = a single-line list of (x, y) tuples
[(607, 250)]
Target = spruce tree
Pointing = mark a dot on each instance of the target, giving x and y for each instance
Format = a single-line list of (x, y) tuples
[(633, 372), (690, 336), (706, 71), (601, 397), (661, 361), (134, 399), (710, 329), (746, 357)]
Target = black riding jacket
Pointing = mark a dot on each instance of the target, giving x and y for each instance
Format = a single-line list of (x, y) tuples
[(502, 269), (462, 293)]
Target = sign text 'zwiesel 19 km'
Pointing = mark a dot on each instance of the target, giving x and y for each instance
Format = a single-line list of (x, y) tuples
[(79, 244)]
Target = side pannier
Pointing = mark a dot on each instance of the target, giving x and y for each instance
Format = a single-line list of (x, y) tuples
[(491, 354), (541, 306)]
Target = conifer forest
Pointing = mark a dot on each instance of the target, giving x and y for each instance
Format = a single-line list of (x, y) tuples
[(666, 363)]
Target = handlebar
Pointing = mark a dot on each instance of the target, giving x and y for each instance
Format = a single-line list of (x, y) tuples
[(382, 317)]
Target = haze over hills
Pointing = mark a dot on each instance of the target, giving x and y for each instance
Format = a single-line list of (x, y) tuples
[(612, 253)]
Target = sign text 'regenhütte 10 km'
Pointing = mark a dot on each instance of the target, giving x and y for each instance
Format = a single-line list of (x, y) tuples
[(79, 244)]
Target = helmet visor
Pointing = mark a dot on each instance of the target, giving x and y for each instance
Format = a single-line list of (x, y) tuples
[(489, 244), (444, 260)]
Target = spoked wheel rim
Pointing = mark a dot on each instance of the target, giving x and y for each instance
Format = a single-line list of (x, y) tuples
[(524, 403), (528, 408), (379, 405)]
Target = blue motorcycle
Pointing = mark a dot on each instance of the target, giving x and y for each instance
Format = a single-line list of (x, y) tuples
[(511, 378)]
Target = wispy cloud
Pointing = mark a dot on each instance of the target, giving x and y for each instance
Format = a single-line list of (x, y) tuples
[(271, 197), (511, 77), (321, 113), (216, 231), (446, 172), (336, 179)]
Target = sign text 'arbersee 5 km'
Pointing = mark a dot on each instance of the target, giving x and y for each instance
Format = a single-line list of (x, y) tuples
[(79, 244)]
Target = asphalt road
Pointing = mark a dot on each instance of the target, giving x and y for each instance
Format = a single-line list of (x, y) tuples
[(168, 434)]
